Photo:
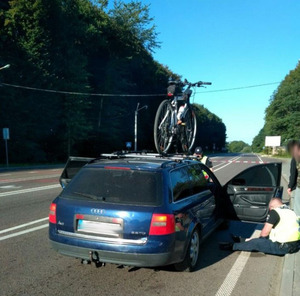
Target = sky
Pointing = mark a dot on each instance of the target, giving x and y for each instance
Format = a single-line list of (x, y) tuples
[(231, 43)]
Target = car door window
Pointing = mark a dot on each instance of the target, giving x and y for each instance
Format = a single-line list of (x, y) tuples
[(187, 181), (265, 176), (198, 179), (180, 184)]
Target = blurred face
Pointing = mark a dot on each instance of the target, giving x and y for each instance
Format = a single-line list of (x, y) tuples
[(297, 152), (294, 151)]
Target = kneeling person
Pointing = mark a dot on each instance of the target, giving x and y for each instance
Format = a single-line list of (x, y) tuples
[(280, 235)]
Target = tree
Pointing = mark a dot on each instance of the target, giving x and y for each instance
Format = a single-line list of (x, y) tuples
[(238, 146), (283, 114), (81, 46), (259, 141), (211, 131)]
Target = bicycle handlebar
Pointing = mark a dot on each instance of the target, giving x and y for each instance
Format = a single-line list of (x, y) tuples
[(189, 84)]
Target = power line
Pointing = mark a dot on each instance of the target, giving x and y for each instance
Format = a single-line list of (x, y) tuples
[(80, 93), (126, 95), (237, 88)]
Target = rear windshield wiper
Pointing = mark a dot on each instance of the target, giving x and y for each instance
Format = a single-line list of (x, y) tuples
[(91, 196)]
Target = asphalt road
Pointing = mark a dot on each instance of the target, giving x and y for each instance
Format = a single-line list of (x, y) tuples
[(30, 267)]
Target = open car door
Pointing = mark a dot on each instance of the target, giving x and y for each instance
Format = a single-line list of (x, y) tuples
[(251, 191), (72, 167)]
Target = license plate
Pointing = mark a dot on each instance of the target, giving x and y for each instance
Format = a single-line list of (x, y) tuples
[(111, 229)]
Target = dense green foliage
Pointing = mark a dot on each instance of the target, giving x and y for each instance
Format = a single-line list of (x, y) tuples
[(283, 114), (238, 146), (211, 131), (81, 46)]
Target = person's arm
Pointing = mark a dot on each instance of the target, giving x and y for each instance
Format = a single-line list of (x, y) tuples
[(266, 230), (209, 164), (272, 220)]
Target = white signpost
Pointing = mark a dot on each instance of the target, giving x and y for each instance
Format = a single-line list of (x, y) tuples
[(273, 141), (5, 138)]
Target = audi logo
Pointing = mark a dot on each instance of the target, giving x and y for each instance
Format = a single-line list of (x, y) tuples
[(97, 211)]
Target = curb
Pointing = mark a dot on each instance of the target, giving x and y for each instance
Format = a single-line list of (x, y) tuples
[(291, 275)]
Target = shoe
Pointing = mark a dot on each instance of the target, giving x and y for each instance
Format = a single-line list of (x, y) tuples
[(237, 239), (226, 246)]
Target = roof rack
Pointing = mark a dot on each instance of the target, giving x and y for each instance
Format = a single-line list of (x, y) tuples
[(145, 154)]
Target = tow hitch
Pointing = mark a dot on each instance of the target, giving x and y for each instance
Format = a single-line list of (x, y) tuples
[(94, 257)]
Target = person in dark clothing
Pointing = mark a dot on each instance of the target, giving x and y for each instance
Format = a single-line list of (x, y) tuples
[(204, 159), (294, 182), (292, 149), (280, 235)]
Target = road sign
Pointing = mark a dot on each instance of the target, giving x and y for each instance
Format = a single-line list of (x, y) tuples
[(128, 145), (272, 141), (6, 133)]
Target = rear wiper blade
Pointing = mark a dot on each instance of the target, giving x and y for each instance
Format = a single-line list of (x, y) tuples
[(91, 196)]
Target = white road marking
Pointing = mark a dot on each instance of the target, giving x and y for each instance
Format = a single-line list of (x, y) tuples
[(29, 190), (23, 232), (23, 225), (226, 164), (9, 186), (235, 272), (3, 175), (28, 178), (33, 172), (260, 160), (225, 161)]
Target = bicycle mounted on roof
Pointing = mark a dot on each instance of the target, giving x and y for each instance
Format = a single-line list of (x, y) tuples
[(174, 122)]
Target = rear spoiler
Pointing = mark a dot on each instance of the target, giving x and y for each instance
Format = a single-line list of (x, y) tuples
[(72, 167)]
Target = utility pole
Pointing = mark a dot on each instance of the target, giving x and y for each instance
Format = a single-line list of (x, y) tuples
[(6, 130), (5, 138), (135, 123)]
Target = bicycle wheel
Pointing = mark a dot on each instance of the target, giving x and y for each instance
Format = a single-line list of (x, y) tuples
[(163, 127), (189, 131)]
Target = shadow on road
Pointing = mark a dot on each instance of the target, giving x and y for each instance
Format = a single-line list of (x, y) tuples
[(209, 250)]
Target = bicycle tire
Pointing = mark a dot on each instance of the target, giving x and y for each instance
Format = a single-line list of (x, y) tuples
[(162, 131), (190, 130)]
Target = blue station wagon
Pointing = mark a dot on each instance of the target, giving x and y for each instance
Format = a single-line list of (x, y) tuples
[(146, 210)]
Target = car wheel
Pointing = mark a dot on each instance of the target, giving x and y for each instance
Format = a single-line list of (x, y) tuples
[(192, 254)]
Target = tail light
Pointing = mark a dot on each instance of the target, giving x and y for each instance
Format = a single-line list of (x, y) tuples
[(52, 213), (162, 224)]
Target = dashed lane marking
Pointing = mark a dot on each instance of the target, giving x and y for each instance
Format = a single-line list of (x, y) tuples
[(10, 187), (226, 164), (224, 161)]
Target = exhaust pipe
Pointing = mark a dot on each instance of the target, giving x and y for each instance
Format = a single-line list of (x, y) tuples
[(94, 257)]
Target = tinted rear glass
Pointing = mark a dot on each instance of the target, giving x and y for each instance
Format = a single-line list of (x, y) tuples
[(116, 186)]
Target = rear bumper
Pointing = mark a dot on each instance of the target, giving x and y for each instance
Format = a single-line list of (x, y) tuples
[(131, 259)]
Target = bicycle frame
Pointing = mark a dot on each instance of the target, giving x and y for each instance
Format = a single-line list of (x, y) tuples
[(174, 104)]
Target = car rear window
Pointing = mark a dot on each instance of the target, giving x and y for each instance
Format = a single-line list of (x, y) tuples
[(116, 186)]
